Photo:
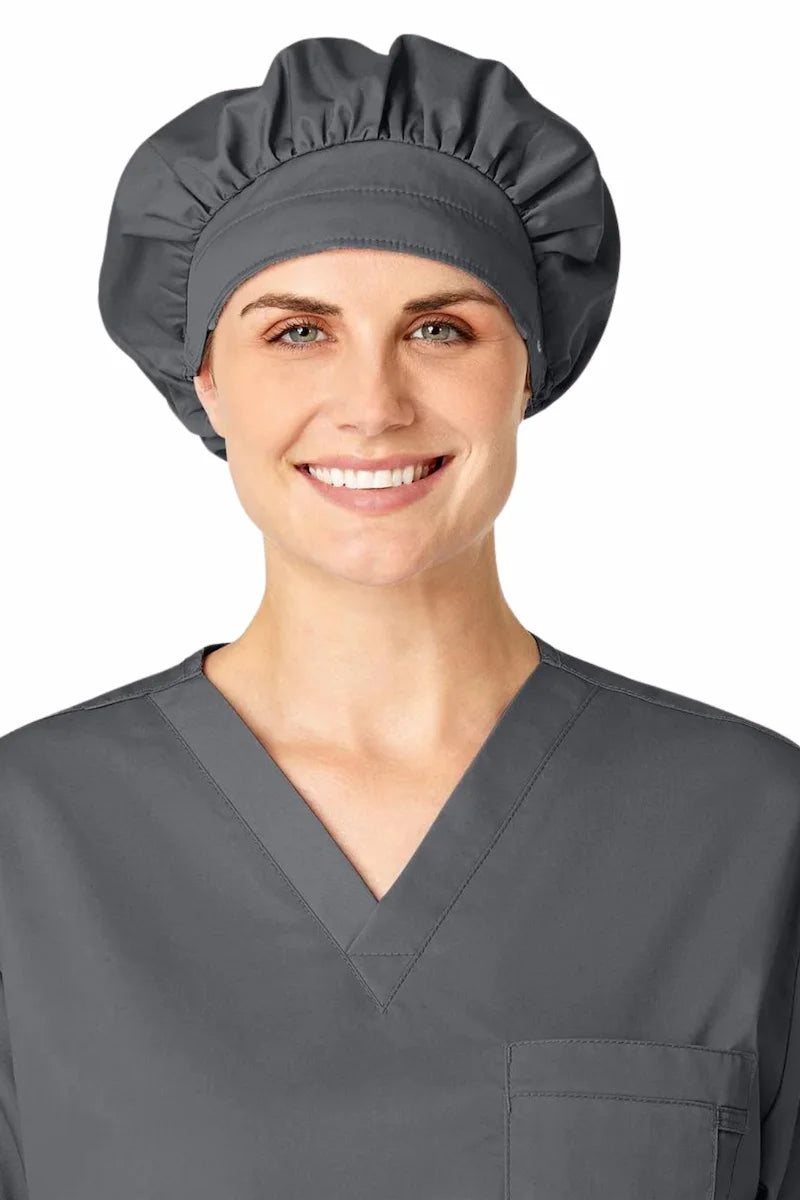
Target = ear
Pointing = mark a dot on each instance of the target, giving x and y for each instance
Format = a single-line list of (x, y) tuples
[(527, 392), (208, 396)]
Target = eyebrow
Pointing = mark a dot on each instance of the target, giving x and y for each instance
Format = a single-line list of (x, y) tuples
[(310, 304)]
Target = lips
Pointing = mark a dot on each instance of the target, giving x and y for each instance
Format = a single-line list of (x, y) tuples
[(371, 498)]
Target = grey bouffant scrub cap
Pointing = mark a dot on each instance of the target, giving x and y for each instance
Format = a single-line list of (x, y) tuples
[(425, 150)]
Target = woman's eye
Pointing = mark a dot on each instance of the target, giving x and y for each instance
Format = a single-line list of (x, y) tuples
[(302, 327), (462, 336)]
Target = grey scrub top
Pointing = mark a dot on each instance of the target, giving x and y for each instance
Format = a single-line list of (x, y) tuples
[(582, 986)]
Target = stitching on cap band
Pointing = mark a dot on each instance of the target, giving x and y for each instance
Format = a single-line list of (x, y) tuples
[(467, 212)]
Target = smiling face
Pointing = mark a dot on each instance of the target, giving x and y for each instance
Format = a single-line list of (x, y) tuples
[(350, 356)]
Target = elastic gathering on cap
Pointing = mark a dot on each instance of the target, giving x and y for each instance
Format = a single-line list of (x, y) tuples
[(426, 150)]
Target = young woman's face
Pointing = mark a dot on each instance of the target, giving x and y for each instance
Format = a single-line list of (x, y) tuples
[(378, 366)]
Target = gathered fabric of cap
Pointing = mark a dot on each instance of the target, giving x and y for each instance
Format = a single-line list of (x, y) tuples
[(425, 150)]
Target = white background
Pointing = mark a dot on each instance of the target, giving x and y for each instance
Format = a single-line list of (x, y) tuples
[(653, 527)]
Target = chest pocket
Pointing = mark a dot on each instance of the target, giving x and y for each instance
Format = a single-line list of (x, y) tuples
[(611, 1119)]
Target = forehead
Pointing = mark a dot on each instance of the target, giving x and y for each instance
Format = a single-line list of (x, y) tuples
[(328, 282)]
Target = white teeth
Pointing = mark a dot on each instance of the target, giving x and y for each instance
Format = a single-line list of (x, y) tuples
[(370, 479)]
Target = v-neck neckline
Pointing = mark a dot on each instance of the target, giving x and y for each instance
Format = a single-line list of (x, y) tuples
[(381, 938)]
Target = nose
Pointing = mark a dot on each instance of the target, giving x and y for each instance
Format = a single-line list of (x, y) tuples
[(372, 393)]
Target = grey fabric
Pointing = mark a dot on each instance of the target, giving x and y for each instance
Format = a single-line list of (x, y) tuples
[(426, 150), (583, 984)]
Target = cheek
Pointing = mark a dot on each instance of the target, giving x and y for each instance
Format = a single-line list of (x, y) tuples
[(481, 393), (261, 420), (260, 445)]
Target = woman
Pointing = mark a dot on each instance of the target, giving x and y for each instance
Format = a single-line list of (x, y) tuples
[(388, 896)]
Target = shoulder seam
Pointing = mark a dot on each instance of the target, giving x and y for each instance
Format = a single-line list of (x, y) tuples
[(145, 691), (730, 717)]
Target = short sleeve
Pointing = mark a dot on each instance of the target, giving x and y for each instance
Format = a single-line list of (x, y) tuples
[(13, 1185), (780, 1129)]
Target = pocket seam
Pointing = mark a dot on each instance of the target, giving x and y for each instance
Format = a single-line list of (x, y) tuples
[(749, 1057), (616, 1096), (629, 1042)]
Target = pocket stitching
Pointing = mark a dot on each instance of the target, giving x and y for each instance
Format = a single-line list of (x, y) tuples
[(617, 1096), (629, 1042)]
